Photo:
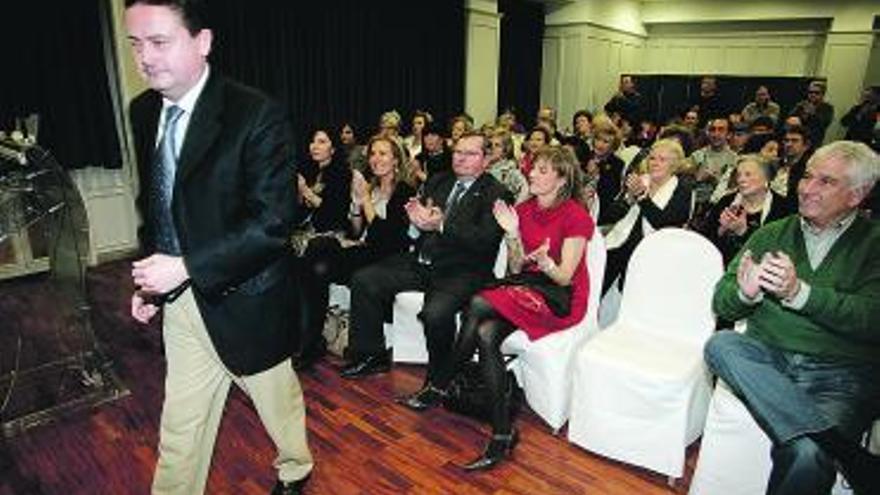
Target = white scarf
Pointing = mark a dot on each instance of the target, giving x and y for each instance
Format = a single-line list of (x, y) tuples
[(623, 228)]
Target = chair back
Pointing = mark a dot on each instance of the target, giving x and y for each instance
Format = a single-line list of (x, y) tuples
[(596, 257), (670, 281), (500, 268)]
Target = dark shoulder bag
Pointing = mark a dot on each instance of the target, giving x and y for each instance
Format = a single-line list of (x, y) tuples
[(468, 394)]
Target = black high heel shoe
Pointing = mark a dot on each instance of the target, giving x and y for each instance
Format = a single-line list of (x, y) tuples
[(498, 449)]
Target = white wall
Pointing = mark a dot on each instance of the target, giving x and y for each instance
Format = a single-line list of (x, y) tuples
[(736, 50), (581, 66), (589, 43), (586, 46), (483, 46)]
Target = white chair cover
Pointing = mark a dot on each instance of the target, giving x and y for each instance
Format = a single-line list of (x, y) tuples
[(641, 389), (543, 368), (405, 335), (735, 452)]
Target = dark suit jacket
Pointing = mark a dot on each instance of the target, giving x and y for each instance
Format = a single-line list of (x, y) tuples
[(233, 206), (470, 238)]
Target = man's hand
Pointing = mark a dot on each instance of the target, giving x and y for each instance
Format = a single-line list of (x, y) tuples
[(141, 310), (159, 273), (747, 276), (778, 276), (425, 217)]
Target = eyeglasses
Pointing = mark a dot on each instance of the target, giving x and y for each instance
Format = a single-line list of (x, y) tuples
[(467, 153)]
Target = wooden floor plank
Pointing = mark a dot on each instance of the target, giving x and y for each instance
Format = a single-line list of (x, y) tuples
[(363, 442)]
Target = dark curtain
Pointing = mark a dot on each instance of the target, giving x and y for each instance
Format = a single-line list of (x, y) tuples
[(53, 65), (667, 95), (337, 60), (519, 73)]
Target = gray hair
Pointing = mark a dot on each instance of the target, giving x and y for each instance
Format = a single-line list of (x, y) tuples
[(862, 163)]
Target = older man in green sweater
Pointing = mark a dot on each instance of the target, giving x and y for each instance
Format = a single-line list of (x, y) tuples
[(808, 365)]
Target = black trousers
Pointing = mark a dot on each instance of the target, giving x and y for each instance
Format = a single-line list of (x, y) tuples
[(372, 295), (325, 261)]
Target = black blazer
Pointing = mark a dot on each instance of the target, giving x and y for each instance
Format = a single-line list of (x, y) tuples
[(332, 215), (470, 238), (233, 207), (675, 214), (390, 235)]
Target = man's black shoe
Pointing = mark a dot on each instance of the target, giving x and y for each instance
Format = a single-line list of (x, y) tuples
[(429, 396), (290, 487), (367, 365), (307, 360)]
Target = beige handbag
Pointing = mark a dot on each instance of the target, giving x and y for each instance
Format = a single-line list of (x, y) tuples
[(336, 330)]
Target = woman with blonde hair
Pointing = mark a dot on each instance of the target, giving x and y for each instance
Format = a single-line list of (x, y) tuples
[(503, 166), (604, 167), (546, 291), (378, 226), (648, 202)]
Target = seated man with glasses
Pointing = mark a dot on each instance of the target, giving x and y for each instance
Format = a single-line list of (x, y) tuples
[(457, 241)]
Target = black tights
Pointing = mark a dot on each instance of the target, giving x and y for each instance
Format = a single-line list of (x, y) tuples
[(313, 277), (483, 331)]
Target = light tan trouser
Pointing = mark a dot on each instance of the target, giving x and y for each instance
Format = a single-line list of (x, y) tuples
[(196, 386)]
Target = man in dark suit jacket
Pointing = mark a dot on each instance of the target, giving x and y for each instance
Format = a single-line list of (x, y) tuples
[(216, 198), (457, 244)]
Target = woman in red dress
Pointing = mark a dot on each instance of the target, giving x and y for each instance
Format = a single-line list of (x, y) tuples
[(546, 291)]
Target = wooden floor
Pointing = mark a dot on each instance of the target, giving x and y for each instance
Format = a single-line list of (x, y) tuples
[(362, 441)]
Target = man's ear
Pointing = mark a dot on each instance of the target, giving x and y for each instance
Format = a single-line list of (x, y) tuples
[(205, 38)]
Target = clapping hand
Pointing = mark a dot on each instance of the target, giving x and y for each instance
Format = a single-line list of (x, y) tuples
[(506, 217), (541, 257), (360, 188), (635, 186), (733, 219), (778, 276), (747, 276), (426, 217), (301, 184)]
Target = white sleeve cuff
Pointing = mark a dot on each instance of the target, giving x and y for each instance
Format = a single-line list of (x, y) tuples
[(800, 299)]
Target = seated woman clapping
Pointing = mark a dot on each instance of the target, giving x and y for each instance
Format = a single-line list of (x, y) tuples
[(649, 202), (733, 219), (377, 224), (323, 186), (547, 290)]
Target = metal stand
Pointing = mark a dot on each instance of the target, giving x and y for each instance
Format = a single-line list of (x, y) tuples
[(55, 372)]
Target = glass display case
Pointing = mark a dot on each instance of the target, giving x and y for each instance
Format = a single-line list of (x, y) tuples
[(50, 361)]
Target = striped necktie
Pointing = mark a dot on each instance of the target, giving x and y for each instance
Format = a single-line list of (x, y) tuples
[(162, 187)]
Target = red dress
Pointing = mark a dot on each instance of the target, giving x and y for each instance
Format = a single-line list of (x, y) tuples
[(525, 307)]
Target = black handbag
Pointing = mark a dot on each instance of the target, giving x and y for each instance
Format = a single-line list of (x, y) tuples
[(468, 394)]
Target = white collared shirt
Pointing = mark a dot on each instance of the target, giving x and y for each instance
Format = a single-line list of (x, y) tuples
[(187, 103)]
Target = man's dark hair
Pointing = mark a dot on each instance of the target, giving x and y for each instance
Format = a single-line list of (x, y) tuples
[(764, 121), (803, 131), (193, 12)]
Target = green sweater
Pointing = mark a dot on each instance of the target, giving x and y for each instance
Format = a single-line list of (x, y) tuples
[(841, 318)]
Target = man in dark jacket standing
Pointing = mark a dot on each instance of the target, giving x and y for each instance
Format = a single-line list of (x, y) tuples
[(216, 199)]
